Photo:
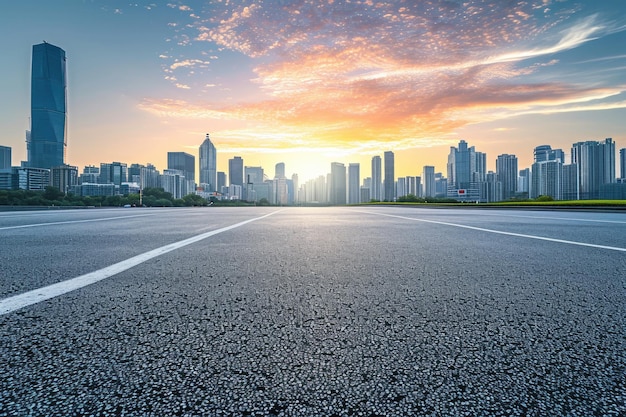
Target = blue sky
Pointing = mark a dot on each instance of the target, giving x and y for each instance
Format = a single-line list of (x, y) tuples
[(310, 82)]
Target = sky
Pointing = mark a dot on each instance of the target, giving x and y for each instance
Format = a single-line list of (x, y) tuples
[(308, 83)]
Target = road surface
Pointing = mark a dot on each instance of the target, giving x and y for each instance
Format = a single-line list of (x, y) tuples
[(312, 311)]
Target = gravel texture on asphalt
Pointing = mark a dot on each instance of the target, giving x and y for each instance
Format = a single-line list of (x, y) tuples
[(330, 318)]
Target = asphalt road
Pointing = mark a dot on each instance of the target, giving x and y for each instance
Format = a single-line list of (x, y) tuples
[(312, 311)]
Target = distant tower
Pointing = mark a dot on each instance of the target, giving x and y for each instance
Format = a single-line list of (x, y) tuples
[(377, 178), (47, 141), (428, 176), (182, 161), (506, 170), (279, 171), (208, 164), (337, 183), (389, 181), (235, 171), (5, 157), (354, 182)]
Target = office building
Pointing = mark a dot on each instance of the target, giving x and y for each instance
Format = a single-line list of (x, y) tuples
[(208, 165), (622, 163), (113, 173), (182, 161), (428, 175), (544, 153), (466, 170), (506, 171), (64, 177), (389, 180), (31, 179), (222, 180), (47, 139), (595, 161), (337, 183), (235, 171), (523, 182), (279, 170), (547, 179), (354, 183), (5, 157), (377, 179)]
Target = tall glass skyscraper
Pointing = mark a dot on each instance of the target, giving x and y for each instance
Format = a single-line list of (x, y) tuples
[(377, 178), (390, 177), (208, 164), (47, 141)]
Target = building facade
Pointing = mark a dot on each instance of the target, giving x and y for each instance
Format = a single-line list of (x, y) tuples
[(390, 179), (595, 161), (375, 188), (354, 183), (47, 139), (506, 171), (182, 161), (208, 165)]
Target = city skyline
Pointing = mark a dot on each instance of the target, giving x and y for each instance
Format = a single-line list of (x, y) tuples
[(339, 82)]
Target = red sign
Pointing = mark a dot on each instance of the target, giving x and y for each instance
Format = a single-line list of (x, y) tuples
[(461, 192)]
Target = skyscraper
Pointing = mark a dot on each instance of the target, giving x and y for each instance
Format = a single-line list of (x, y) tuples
[(544, 153), (622, 163), (337, 183), (595, 161), (389, 181), (429, 181), (5, 157), (506, 172), (208, 164), (47, 140), (377, 179), (184, 162), (354, 183), (279, 170), (235, 171)]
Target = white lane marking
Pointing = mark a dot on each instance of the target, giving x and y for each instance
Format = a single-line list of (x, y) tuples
[(26, 299), (556, 218), (22, 226), (549, 239)]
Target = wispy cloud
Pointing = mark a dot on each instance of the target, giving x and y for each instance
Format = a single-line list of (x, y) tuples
[(396, 71)]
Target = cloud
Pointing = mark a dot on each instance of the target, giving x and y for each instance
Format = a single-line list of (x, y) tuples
[(376, 71)]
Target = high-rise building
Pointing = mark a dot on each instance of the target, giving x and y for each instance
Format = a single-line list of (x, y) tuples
[(466, 170), (208, 165), (337, 183), (595, 161), (547, 179), (5, 157), (235, 171), (506, 172), (64, 177), (523, 181), (113, 173), (47, 139), (377, 179), (184, 162), (221, 181), (544, 153), (429, 181), (279, 171), (354, 183), (389, 181), (254, 175), (622, 163)]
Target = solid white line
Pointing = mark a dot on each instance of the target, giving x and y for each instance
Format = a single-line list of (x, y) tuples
[(557, 218), (549, 239), (73, 221), (26, 299)]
